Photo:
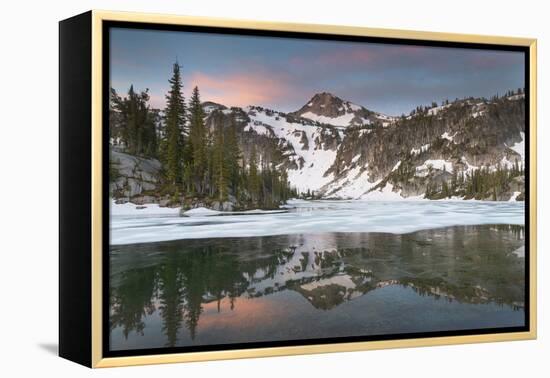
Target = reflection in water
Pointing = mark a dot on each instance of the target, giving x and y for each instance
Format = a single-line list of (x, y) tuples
[(212, 291)]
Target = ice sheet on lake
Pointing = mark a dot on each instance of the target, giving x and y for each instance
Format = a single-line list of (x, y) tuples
[(130, 209), (317, 217)]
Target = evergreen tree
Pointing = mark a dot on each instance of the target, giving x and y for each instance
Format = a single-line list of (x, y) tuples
[(133, 123), (253, 178), (219, 165), (197, 143), (196, 160), (232, 157), (174, 116)]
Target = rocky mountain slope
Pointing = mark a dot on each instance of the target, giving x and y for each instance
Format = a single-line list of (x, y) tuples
[(438, 147), (337, 149), (329, 109), (332, 148)]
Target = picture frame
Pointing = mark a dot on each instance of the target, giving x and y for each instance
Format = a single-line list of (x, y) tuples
[(85, 305)]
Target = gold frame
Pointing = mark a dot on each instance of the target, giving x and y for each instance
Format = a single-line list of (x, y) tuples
[(99, 16)]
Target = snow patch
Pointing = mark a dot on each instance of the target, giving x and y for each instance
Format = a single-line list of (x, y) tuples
[(516, 97), (478, 113), (514, 197), (341, 121), (439, 164), (205, 212), (396, 166), (131, 209), (519, 147), (340, 280), (469, 168), (315, 161), (447, 136), (201, 212), (354, 107), (437, 109), (352, 184), (418, 151), (520, 252)]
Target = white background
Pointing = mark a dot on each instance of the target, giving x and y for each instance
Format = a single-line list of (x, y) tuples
[(29, 189)]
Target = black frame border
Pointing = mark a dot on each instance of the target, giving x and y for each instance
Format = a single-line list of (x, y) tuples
[(105, 80)]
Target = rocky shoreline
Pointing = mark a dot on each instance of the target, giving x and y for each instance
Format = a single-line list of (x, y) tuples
[(188, 203)]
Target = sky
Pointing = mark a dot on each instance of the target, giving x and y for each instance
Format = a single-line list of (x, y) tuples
[(284, 73)]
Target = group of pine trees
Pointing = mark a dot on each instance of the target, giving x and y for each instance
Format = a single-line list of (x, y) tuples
[(423, 110), (482, 183), (197, 161), (133, 123)]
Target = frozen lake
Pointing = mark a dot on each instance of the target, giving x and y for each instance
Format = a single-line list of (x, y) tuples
[(153, 224), (198, 292)]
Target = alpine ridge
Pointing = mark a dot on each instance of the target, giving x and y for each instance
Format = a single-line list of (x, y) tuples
[(333, 148), (470, 148), (329, 109)]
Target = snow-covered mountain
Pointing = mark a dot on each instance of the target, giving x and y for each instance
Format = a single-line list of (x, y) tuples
[(308, 148), (329, 109), (338, 149), (436, 150)]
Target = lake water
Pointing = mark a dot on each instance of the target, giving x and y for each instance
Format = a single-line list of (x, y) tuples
[(303, 282)]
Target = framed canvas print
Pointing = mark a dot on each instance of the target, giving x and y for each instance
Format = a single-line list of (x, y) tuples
[(234, 189)]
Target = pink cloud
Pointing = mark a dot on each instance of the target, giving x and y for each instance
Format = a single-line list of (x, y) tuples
[(241, 88)]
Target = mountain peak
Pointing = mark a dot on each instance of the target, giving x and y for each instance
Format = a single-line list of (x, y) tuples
[(325, 100), (326, 104), (325, 107), (325, 96)]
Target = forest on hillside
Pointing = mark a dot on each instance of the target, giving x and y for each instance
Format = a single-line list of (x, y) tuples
[(199, 164)]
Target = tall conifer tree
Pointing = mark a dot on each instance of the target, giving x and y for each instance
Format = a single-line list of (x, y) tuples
[(197, 142), (232, 156), (253, 178), (219, 163), (174, 114), (133, 122)]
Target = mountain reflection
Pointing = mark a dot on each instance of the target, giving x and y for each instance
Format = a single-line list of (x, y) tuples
[(179, 280)]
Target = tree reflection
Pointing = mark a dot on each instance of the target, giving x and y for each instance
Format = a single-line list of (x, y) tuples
[(472, 264), (133, 299)]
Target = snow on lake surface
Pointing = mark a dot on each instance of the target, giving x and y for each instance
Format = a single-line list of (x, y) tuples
[(316, 217), (130, 209)]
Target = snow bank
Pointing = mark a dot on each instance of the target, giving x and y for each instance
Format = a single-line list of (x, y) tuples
[(131, 209), (436, 164), (201, 212), (204, 212), (514, 196), (341, 121)]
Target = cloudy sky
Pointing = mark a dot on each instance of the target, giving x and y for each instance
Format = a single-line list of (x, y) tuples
[(284, 74)]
